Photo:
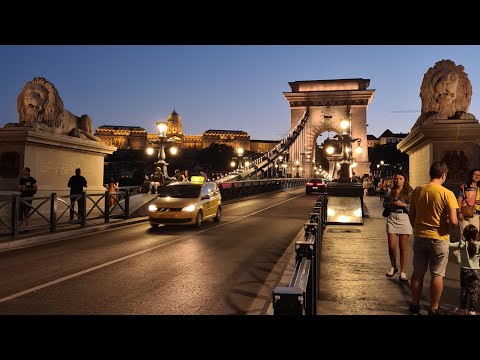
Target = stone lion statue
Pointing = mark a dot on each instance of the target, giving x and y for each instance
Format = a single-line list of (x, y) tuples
[(39, 105), (446, 93)]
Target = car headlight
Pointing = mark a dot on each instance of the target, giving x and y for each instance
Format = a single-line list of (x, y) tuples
[(152, 208), (189, 208)]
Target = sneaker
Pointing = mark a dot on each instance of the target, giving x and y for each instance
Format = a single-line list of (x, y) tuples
[(460, 311), (471, 312), (414, 309), (391, 272), (403, 276), (435, 311)]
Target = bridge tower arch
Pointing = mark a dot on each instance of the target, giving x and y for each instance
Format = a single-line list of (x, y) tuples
[(328, 102)]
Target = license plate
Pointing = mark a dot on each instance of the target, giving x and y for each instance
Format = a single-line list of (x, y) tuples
[(314, 187)]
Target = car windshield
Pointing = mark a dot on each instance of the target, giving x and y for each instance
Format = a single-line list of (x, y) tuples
[(181, 191), (315, 180)]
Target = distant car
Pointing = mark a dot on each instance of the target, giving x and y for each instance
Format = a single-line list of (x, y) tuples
[(186, 203), (315, 185)]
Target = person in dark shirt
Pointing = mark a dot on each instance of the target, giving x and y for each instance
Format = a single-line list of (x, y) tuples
[(157, 180), (76, 184), (28, 187)]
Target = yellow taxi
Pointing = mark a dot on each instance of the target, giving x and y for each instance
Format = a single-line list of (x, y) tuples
[(186, 203)]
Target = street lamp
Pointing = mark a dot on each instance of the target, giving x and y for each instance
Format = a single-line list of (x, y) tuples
[(298, 168), (239, 159), (346, 157), (161, 143)]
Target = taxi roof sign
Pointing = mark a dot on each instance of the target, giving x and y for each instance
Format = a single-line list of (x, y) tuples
[(197, 179)]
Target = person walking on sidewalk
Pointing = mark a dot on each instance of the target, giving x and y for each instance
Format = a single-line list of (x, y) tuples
[(433, 214), (76, 183), (469, 268), (397, 202), (28, 187), (112, 188)]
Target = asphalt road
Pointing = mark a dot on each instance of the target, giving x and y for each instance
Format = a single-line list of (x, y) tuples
[(218, 269)]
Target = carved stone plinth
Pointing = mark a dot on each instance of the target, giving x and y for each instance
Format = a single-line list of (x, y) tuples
[(52, 159), (453, 141)]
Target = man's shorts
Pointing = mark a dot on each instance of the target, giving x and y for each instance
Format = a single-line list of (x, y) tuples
[(430, 253)]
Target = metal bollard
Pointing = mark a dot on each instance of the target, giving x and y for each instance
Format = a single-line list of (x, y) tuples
[(53, 212), (288, 301), (107, 207), (306, 249)]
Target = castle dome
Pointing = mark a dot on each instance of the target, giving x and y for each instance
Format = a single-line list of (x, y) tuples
[(174, 124), (173, 116)]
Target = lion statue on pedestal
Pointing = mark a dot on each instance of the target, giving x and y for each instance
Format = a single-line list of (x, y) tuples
[(39, 106), (446, 93)]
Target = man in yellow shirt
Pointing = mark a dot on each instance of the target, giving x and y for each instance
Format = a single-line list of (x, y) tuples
[(433, 214)]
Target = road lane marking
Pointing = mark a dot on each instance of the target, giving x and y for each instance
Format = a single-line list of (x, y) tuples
[(86, 271)]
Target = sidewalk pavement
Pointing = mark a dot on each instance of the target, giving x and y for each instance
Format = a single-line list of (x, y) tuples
[(65, 233), (354, 262)]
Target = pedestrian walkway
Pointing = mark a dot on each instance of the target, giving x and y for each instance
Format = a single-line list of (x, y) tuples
[(353, 265)]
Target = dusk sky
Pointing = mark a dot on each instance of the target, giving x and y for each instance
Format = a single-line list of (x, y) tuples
[(229, 87)]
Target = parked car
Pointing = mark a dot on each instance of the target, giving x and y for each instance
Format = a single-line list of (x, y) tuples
[(315, 185), (186, 203)]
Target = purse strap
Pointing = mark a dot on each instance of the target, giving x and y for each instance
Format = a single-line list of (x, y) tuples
[(465, 197)]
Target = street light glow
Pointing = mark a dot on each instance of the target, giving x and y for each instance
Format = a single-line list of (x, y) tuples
[(173, 150), (150, 151), (162, 128), (344, 124)]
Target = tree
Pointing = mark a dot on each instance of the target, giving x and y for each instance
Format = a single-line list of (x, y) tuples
[(217, 156), (393, 159)]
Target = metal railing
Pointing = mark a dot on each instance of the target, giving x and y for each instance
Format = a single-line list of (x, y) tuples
[(301, 295), (47, 212), (237, 189)]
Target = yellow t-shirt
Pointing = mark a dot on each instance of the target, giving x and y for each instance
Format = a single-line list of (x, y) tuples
[(432, 203)]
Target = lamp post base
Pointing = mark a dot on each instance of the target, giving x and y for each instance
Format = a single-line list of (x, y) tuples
[(162, 164)]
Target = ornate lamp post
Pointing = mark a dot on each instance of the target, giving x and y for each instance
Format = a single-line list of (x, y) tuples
[(346, 156), (161, 143), (239, 159), (298, 168)]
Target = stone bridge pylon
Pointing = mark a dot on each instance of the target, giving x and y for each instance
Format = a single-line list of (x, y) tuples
[(329, 102)]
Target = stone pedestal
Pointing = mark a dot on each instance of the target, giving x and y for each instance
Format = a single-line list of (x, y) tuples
[(453, 141), (52, 159)]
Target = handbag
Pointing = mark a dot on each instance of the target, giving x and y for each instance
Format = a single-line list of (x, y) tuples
[(467, 211), (385, 212)]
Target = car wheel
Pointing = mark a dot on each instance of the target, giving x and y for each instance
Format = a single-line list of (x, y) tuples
[(199, 221), (307, 192), (218, 215)]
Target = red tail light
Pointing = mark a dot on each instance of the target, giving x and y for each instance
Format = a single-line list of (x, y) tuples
[(309, 183)]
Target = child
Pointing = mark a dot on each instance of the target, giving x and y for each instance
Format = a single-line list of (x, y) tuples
[(469, 268)]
